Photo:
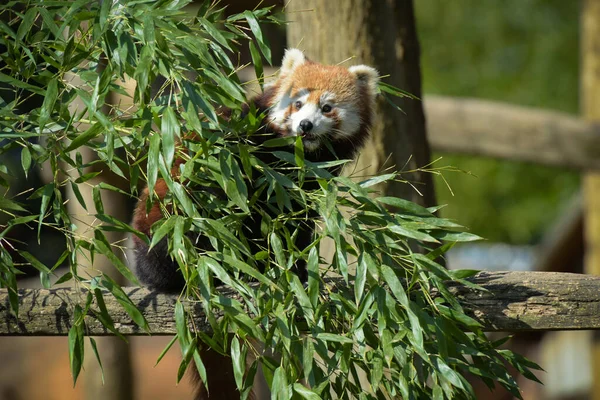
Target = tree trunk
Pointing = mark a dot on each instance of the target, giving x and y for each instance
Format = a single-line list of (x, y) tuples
[(382, 34)]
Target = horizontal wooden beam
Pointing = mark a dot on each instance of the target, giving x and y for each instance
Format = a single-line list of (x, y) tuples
[(494, 129), (534, 301), (515, 301)]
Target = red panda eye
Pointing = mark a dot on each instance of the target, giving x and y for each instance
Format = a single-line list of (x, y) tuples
[(326, 108), (298, 105)]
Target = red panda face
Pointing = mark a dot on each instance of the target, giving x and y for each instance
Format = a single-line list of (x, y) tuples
[(320, 102)]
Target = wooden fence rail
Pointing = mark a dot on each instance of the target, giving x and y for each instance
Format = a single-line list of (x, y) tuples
[(515, 301), (501, 130)]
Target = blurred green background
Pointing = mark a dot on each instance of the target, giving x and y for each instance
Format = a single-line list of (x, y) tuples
[(518, 51)]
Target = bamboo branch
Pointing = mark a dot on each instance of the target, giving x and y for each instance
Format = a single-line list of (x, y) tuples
[(516, 301)]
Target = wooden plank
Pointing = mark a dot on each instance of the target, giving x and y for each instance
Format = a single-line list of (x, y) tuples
[(515, 302), (494, 129)]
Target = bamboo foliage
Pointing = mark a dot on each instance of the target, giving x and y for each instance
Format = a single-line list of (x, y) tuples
[(383, 320)]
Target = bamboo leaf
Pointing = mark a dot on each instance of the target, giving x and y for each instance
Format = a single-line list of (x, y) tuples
[(125, 302), (264, 46), (169, 132)]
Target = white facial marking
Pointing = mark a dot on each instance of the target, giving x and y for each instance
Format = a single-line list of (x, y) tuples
[(309, 112), (350, 120), (323, 123), (279, 111)]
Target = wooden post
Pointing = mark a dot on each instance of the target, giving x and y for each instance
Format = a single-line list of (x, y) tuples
[(114, 352), (590, 108)]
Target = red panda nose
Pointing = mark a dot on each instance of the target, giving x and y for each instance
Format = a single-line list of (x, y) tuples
[(306, 125)]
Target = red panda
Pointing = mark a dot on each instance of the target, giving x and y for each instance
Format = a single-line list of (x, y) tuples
[(329, 106)]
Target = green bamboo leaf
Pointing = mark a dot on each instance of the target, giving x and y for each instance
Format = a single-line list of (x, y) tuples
[(6, 204), (376, 180), (188, 352), (277, 247), (214, 32), (26, 160), (376, 369), (47, 194), (49, 21), (395, 285), (27, 23), (65, 278), (221, 274), (153, 160), (257, 62), (280, 390), (166, 349), (265, 48), (200, 368), (460, 317), (332, 337), (164, 227), (218, 228), (280, 142), (103, 316), (448, 373), (78, 195), (76, 345), (20, 84), (9, 281), (197, 98), (313, 276), (233, 181), (97, 198), (387, 88), (85, 137), (184, 200), (45, 280), (125, 302), (102, 246), (404, 205), (20, 220), (365, 262), (95, 349), (181, 322), (299, 152), (34, 262), (305, 392), (246, 269), (463, 273), (411, 233), (239, 363), (449, 236), (105, 8), (170, 131), (302, 298)]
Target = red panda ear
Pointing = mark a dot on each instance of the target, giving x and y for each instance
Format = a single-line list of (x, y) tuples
[(366, 75), (292, 59)]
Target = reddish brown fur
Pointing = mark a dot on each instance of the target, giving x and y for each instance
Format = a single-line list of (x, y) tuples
[(142, 221)]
